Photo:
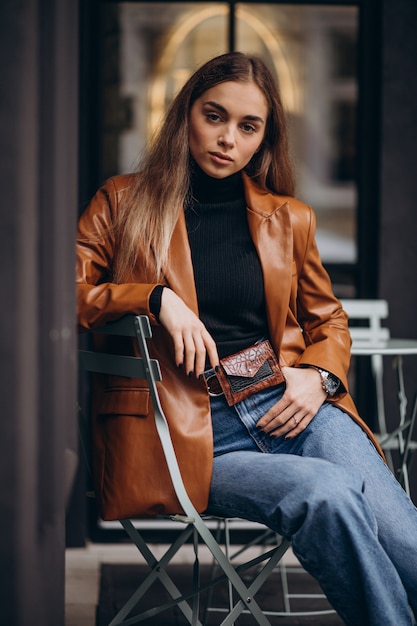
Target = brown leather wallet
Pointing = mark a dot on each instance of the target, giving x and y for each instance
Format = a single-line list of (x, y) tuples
[(244, 373)]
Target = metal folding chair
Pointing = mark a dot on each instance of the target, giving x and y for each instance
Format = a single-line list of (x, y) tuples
[(195, 525)]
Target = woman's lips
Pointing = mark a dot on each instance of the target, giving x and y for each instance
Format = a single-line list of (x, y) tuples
[(219, 157)]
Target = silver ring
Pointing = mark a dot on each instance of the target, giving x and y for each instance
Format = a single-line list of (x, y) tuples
[(296, 420)]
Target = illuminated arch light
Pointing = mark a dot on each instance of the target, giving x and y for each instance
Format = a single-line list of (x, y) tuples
[(289, 89), (181, 30)]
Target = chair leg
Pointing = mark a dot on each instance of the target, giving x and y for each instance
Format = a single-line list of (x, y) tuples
[(157, 573), (268, 537), (227, 550), (223, 525), (246, 604), (284, 587)]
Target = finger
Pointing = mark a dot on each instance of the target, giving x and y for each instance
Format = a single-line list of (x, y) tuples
[(300, 424), (276, 418), (200, 357), (296, 425), (292, 427), (211, 348), (189, 354), (274, 413), (290, 424), (178, 349)]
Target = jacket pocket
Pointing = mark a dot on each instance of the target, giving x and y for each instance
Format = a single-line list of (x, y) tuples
[(133, 402), (116, 383)]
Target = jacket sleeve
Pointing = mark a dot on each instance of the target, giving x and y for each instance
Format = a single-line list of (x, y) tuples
[(99, 300), (323, 321)]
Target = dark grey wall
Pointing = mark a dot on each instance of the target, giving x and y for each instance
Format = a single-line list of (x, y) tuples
[(398, 235), (38, 173), (398, 197)]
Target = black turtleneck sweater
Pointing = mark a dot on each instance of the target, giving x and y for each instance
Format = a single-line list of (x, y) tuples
[(227, 270)]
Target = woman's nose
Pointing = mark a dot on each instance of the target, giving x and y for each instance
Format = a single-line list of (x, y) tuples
[(227, 138)]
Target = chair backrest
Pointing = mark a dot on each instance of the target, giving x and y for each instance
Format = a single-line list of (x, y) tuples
[(369, 315), (118, 365)]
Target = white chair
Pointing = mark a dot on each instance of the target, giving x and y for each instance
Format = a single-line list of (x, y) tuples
[(195, 525), (372, 313), (370, 338)]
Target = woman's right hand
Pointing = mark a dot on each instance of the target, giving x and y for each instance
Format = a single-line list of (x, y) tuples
[(191, 339)]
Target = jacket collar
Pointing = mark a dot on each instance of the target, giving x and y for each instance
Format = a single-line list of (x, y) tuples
[(259, 200)]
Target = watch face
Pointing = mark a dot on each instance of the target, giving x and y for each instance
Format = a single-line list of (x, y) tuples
[(332, 385), (329, 382)]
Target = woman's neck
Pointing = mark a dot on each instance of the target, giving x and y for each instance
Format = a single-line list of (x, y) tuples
[(206, 189)]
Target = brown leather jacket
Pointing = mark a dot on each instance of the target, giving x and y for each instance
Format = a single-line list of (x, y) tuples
[(306, 322)]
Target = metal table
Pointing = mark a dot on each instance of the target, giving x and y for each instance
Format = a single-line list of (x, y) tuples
[(398, 349)]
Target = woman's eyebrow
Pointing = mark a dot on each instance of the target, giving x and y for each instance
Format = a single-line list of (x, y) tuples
[(219, 107)]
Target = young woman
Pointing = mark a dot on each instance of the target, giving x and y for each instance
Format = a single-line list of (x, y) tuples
[(209, 242)]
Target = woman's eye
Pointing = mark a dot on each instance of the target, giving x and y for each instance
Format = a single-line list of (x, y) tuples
[(213, 117), (248, 128)]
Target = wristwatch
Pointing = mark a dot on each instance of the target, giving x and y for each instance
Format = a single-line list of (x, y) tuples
[(329, 382)]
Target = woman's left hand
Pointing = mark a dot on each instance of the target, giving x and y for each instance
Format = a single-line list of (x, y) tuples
[(302, 399)]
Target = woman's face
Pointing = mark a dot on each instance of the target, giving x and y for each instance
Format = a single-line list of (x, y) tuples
[(227, 126)]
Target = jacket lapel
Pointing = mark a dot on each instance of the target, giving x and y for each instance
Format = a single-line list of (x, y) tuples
[(180, 274), (271, 231)]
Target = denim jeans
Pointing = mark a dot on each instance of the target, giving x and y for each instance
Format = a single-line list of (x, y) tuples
[(351, 524)]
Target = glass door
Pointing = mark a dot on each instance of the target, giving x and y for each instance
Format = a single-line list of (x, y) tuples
[(150, 48)]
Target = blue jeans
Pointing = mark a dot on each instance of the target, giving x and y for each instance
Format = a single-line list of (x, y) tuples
[(351, 524)]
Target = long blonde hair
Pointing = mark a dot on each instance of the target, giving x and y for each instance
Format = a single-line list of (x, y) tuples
[(151, 208)]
